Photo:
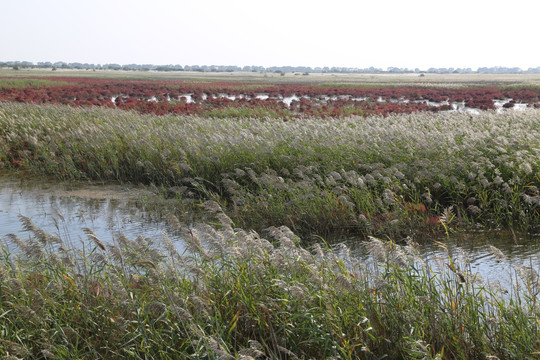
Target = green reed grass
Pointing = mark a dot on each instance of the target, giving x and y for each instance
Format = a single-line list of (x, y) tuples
[(375, 175), (11, 83), (232, 294)]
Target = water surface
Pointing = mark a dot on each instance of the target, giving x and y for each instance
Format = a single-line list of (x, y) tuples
[(65, 208), (473, 255)]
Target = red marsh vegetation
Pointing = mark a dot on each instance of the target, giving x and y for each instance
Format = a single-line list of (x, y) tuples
[(273, 100)]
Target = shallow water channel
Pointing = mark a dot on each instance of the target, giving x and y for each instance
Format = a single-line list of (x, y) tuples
[(65, 208)]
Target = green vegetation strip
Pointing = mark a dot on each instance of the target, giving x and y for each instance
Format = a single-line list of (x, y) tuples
[(10, 83), (375, 175), (233, 294)]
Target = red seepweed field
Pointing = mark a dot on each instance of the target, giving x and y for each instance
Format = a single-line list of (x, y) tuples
[(243, 99)]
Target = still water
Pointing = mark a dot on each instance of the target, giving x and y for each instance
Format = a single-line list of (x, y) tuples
[(65, 208), (472, 254)]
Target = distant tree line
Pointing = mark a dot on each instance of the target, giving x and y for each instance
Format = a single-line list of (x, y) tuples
[(274, 69)]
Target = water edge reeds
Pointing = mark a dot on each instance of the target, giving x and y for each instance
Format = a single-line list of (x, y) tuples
[(239, 295)]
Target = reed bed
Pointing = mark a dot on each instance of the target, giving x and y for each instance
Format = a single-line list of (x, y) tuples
[(375, 175), (233, 294)]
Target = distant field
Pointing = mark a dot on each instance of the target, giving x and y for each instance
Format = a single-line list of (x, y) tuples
[(312, 78)]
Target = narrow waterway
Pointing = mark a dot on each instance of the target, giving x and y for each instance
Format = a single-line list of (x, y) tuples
[(65, 208)]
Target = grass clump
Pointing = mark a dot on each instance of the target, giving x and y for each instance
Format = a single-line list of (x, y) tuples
[(228, 293)]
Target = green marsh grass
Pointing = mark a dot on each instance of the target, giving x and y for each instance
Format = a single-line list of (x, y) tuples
[(11, 83), (376, 175), (232, 294)]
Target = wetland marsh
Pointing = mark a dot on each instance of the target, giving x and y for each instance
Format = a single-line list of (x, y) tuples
[(435, 217)]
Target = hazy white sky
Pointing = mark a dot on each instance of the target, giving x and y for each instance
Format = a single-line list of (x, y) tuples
[(362, 33)]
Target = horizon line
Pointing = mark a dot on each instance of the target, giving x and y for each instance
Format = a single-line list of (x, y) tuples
[(197, 67)]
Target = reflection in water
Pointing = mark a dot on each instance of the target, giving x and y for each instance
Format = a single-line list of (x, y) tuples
[(64, 209), (457, 106), (475, 254)]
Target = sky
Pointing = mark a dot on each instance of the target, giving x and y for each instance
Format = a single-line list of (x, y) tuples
[(317, 33)]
